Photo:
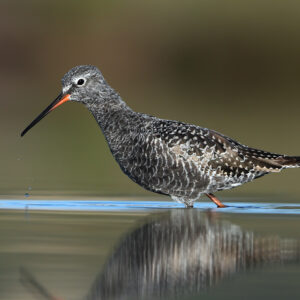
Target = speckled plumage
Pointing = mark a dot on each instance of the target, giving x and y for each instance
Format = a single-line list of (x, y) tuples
[(169, 157)]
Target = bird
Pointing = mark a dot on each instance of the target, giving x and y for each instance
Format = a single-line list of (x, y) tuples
[(168, 157)]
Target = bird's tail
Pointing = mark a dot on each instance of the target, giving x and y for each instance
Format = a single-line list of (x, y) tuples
[(272, 162), (289, 161)]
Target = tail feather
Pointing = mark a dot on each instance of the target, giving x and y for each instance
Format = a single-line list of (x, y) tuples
[(289, 161), (271, 162), (277, 164)]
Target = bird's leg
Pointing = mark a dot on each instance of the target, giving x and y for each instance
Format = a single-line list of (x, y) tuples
[(189, 205), (214, 199)]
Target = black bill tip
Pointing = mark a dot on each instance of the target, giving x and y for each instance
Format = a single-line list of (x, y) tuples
[(62, 98)]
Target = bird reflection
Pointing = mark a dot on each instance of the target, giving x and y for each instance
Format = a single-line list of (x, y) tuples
[(183, 253)]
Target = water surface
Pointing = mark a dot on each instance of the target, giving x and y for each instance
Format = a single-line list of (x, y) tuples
[(149, 250), (138, 205)]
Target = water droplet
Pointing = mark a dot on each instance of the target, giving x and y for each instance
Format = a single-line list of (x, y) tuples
[(26, 195)]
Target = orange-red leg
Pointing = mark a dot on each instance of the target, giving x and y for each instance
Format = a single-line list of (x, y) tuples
[(214, 199)]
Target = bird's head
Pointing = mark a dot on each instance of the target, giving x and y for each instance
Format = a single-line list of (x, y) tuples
[(83, 84)]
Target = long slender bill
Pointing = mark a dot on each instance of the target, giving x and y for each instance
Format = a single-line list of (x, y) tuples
[(57, 102)]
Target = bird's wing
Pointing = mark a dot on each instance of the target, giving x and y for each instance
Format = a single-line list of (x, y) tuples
[(210, 149)]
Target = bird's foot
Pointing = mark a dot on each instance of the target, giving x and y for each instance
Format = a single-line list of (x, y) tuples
[(189, 205)]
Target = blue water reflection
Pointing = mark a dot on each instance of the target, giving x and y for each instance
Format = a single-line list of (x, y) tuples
[(123, 205)]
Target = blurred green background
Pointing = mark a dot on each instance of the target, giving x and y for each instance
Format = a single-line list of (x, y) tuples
[(232, 66)]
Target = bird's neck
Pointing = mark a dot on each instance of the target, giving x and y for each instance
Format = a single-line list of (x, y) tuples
[(113, 116)]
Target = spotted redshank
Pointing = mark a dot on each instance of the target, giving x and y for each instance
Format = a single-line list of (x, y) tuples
[(168, 157)]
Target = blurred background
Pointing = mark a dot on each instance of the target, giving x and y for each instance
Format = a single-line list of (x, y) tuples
[(232, 66)]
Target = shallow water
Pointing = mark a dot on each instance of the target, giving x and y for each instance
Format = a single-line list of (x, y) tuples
[(148, 250), (123, 205)]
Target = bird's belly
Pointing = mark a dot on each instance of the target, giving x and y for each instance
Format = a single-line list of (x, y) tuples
[(183, 181), (169, 177), (223, 182)]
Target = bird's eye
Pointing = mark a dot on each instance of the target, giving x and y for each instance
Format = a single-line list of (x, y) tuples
[(80, 81)]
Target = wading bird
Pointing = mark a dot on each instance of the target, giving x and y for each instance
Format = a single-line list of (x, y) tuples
[(168, 157)]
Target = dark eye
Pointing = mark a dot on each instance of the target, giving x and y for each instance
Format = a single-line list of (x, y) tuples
[(80, 81)]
